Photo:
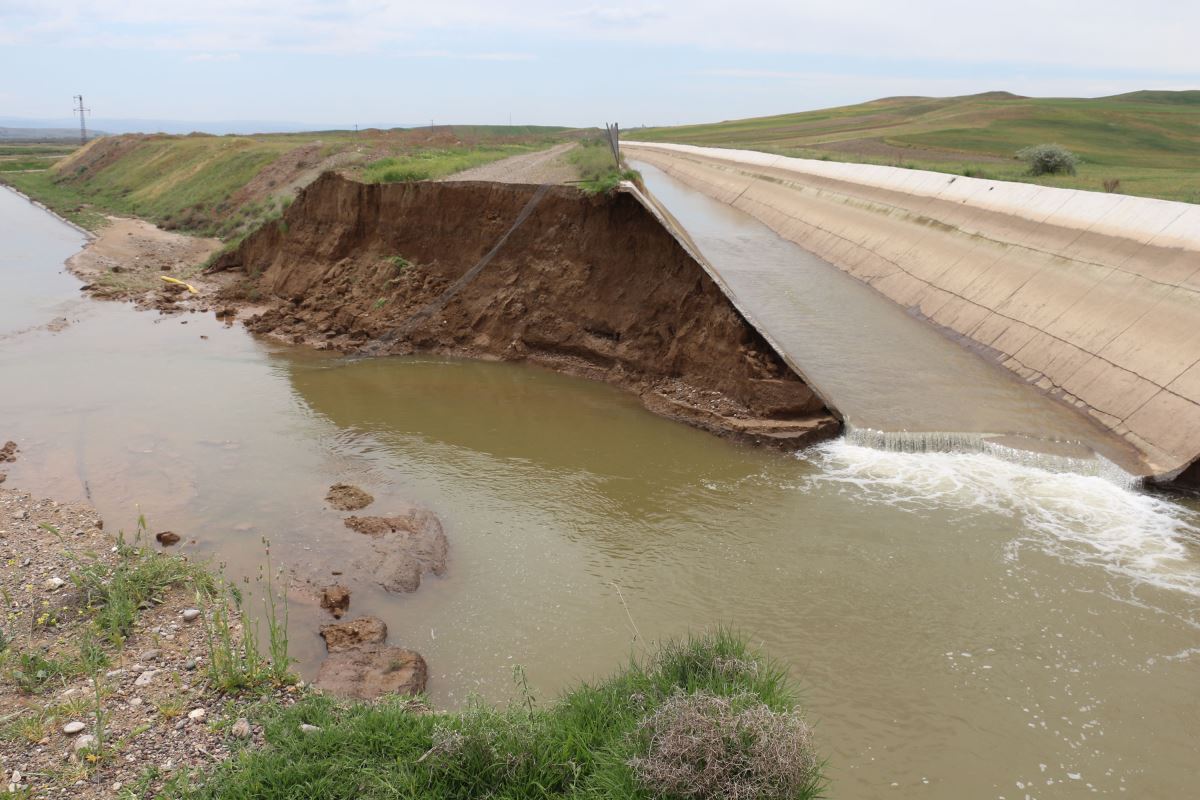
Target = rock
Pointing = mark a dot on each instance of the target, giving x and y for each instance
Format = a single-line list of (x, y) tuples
[(146, 678), (306, 728), (191, 614), (345, 635), (22, 514), (135, 702), (345, 497), (167, 538), (336, 599), (9, 452), (73, 728), (148, 655), (190, 664), (197, 715), (115, 673), (53, 584), (85, 742), (371, 671), (241, 729), (409, 545)]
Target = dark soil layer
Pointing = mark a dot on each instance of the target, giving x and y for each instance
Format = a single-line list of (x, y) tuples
[(590, 285)]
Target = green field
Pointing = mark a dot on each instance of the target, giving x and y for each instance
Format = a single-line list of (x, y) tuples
[(1149, 141), (227, 185)]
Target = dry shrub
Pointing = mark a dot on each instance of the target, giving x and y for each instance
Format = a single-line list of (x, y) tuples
[(701, 746)]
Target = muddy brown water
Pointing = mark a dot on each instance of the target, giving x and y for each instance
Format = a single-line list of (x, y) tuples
[(963, 626)]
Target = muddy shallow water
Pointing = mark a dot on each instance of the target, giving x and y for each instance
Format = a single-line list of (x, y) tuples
[(963, 626)]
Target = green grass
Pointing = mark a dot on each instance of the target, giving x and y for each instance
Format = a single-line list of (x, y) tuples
[(115, 593), (580, 746), (437, 163), (62, 199), (593, 160), (1149, 141), (37, 149), (22, 164)]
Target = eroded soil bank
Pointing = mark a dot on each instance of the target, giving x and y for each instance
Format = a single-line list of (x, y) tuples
[(588, 285)]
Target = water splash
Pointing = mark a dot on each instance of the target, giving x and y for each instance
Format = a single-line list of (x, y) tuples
[(1084, 518), (1036, 456)]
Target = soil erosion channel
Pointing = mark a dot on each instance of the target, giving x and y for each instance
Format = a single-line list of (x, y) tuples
[(964, 626)]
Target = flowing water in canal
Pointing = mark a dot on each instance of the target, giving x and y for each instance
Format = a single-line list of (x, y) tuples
[(962, 626)]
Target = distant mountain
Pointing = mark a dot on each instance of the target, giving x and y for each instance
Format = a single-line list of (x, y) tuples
[(220, 127)]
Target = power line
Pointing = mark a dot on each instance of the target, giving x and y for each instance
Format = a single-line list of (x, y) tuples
[(82, 112)]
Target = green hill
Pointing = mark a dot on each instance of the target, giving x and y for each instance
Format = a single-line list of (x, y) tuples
[(1148, 140)]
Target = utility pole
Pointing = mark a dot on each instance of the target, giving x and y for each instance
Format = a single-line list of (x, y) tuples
[(82, 112)]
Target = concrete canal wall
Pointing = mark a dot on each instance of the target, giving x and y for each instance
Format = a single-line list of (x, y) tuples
[(1092, 297)]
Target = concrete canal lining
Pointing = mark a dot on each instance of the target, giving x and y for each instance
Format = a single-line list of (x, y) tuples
[(1092, 297)]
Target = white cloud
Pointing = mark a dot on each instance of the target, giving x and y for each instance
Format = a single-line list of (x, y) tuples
[(1149, 36), (203, 57)]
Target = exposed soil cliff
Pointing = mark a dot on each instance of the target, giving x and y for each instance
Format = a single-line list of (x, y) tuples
[(591, 285)]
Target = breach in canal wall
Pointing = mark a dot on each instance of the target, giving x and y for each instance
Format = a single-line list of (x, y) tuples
[(589, 285), (1092, 297)]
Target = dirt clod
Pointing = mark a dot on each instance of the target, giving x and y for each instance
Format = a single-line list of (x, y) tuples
[(341, 636), (345, 497), (167, 538), (335, 599)]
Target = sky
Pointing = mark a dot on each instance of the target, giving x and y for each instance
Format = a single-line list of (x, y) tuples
[(326, 63)]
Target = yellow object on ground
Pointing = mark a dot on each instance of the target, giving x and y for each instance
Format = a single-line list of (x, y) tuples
[(189, 287)]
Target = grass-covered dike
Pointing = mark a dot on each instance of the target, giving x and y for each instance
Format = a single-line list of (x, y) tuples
[(702, 718)]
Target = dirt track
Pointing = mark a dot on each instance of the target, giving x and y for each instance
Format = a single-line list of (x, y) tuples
[(544, 166)]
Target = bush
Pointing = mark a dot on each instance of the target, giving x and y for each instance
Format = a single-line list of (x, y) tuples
[(1049, 159), (703, 745)]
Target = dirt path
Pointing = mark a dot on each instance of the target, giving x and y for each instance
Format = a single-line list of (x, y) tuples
[(544, 166)]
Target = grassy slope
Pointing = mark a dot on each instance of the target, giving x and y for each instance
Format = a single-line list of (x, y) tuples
[(579, 746), (226, 185), (1150, 141)]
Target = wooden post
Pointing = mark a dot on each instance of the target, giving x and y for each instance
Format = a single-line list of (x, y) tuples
[(614, 142)]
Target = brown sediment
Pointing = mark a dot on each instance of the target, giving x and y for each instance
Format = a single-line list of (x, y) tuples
[(588, 285), (128, 257), (345, 497)]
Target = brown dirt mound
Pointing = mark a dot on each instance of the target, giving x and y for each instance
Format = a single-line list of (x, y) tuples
[(590, 285), (345, 497), (407, 545), (369, 672), (345, 635)]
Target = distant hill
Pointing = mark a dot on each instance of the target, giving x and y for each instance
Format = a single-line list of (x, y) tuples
[(1148, 140), (44, 134)]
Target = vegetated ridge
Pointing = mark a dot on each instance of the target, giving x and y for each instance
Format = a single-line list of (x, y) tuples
[(225, 186), (1148, 142), (591, 285)]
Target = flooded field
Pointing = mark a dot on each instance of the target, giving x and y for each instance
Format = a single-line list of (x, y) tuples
[(963, 626)]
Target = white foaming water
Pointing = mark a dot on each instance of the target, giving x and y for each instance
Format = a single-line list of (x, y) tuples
[(940, 442), (1083, 518)]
